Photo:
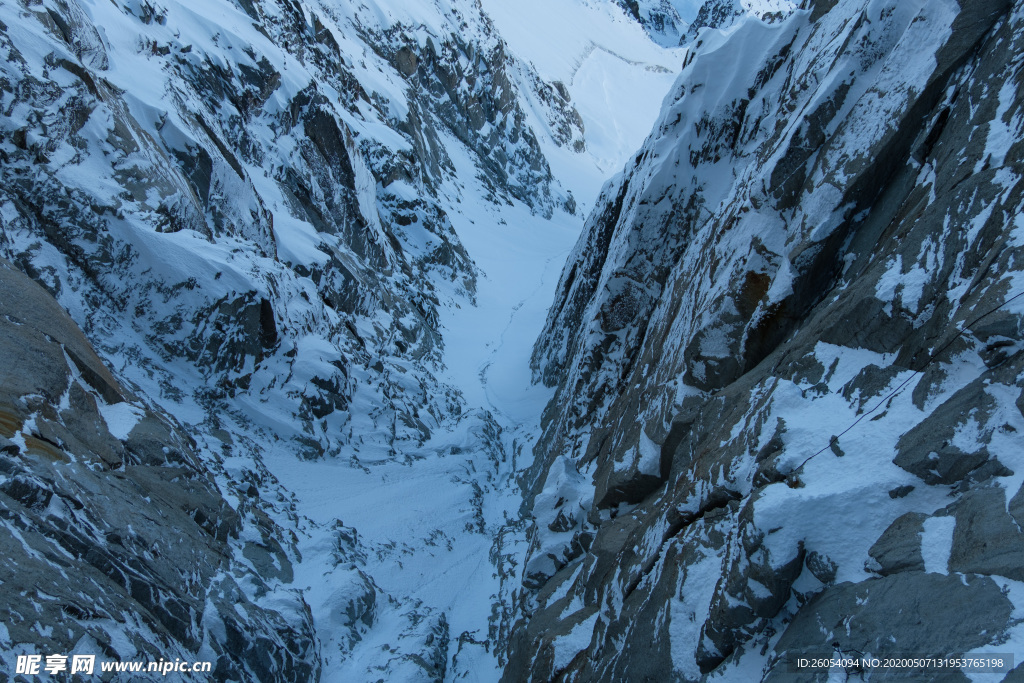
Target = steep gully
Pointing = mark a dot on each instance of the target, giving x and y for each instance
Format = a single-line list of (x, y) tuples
[(453, 540), (664, 540)]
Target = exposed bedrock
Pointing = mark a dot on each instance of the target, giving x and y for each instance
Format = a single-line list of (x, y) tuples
[(97, 486), (787, 359)]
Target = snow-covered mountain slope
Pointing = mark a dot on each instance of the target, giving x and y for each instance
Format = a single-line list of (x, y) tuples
[(613, 74), (787, 361), (315, 242)]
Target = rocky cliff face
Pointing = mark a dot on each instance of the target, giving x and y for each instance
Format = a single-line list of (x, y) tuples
[(143, 129), (117, 539), (788, 361), (785, 354), (722, 14)]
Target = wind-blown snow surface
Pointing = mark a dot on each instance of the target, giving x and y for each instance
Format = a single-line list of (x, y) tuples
[(323, 238), (616, 76), (440, 527)]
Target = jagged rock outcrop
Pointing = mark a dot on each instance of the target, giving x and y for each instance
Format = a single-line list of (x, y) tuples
[(787, 360), (267, 143), (722, 14), (117, 540), (464, 85), (716, 14), (659, 17)]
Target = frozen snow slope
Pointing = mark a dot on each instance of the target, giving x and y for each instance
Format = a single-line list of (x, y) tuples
[(615, 75), (312, 244), (788, 362)]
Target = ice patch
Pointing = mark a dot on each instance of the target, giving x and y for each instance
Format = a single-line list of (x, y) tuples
[(121, 418), (650, 456), (1002, 132), (687, 618), (885, 290), (563, 589)]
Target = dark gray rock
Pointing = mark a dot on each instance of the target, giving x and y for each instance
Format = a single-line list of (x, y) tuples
[(659, 18), (929, 451), (715, 14), (822, 568), (898, 614), (785, 293), (754, 589), (987, 540), (899, 548)]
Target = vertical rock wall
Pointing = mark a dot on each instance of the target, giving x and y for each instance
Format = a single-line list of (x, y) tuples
[(787, 353)]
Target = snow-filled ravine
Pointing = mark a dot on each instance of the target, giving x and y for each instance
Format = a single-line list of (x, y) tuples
[(442, 526), (432, 523)]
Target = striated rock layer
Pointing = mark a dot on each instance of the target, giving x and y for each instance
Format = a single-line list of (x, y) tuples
[(787, 352), (117, 540)]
